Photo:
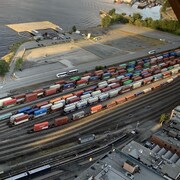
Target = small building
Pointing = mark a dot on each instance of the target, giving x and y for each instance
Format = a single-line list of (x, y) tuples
[(130, 167)]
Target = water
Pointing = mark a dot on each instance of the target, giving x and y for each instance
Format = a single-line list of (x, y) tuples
[(65, 13)]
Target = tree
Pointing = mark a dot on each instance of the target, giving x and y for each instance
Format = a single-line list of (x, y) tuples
[(105, 21), (162, 118), (18, 64), (4, 67), (112, 12), (137, 16), (74, 29)]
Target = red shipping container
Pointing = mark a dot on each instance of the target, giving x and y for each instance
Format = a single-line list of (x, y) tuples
[(49, 92), (157, 71), (41, 104), (111, 70), (19, 96), (82, 81), (38, 91), (171, 57), (78, 93), (21, 118), (72, 81), (153, 63), (146, 75), (147, 81), (41, 126), (87, 74), (138, 67), (9, 102), (31, 97), (140, 62), (60, 82), (125, 89), (96, 108), (105, 89), (166, 74), (125, 78), (165, 59), (120, 100), (112, 67), (100, 88), (90, 89), (111, 104), (137, 78), (114, 74), (99, 74), (60, 121), (122, 71), (115, 86), (99, 71), (120, 68), (74, 100)]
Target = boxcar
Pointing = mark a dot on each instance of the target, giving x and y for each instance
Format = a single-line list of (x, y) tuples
[(96, 108), (5, 116), (86, 138), (61, 121), (78, 115)]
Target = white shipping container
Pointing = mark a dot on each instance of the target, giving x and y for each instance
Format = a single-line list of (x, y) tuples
[(85, 96), (86, 78), (40, 94), (15, 116), (47, 106), (147, 90), (110, 80), (78, 115), (61, 101), (176, 65), (19, 100), (160, 57), (169, 80), (102, 84), (103, 96), (93, 99), (112, 84), (57, 106), (56, 86), (113, 93), (5, 99), (164, 70), (95, 93), (137, 84), (22, 121), (69, 98), (70, 108), (153, 59), (81, 104)]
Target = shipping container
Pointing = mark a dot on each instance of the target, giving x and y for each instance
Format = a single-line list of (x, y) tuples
[(4, 99), (155, 86), (85, 96), (96, 93), (49, 92), (129, 70), (24, 109), (166, 74), (68, 86), (127, 82), (57, 106), (52, 101), (122, 71), (92, 88), (87, 92), (41, 104), (111, 80), (40, 126), (19, 96), (86, 138), (74, 100), (137, 78), (61, 101), (81, 82), (103, 96), (75, 78), (106, 89), (120, 100), (67, 96), (157, 77), (106, 75), (139, 93), (5, 116), (120, 77), (81, 104), (93, 79), (78, 93), (148, 80), (137, 84), (129, 97), (87, 74), (102, 84), (70, 108), (56, 86), (96, 108), (174, 71), (31, 97), (115, 86), (21, 119), (47, 106), (61, 121), (31, 111), (147, 90), (86, 78), (78, 115), (113, 93), (15, 116), (126, 88), (93, 100), (123, 65), (39, 92), (111, 104), (40, 112), (9, 103)]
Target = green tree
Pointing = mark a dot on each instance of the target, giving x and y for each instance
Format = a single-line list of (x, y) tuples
[(137, 16), (105, 21), (162, 118), (74, 29), (112, 12), (4, 67), (19, 63)]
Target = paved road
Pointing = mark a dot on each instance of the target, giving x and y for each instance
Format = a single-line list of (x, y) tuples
[(49, 74)]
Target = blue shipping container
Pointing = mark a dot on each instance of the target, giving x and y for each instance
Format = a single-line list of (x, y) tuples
[(146, 60), (68, 85), (40, 111), (31, 111), (172, 54), (106, 75), (24, 109), (87, 92), (93, 78), (166, 55), (128, 74)]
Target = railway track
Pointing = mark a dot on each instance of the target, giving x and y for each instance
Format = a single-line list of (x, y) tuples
[(131, 104)]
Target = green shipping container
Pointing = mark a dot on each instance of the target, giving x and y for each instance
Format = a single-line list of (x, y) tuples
[(75, 78), (122, 65), (132, 62), (170, 67), (127, 82), (136, 74), (146, 64), (130, 70)]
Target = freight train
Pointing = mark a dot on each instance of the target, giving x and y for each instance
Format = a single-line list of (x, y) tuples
[(167, 63), (80, 99)]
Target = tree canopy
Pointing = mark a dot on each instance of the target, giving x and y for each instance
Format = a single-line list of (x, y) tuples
[(4, 67)]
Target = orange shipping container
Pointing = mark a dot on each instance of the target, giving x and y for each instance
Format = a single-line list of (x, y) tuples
[(67, 96), (41, 104), (156, 86), (55, 100), (96, 108), (120, 100), (111, 104), (130, 97), (31, 97), (9, 102)]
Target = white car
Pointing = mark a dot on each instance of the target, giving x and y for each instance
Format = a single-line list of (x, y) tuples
[(152, 52), (63, 74)]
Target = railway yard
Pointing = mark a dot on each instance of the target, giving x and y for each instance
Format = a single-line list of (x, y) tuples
[(41, 128)]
